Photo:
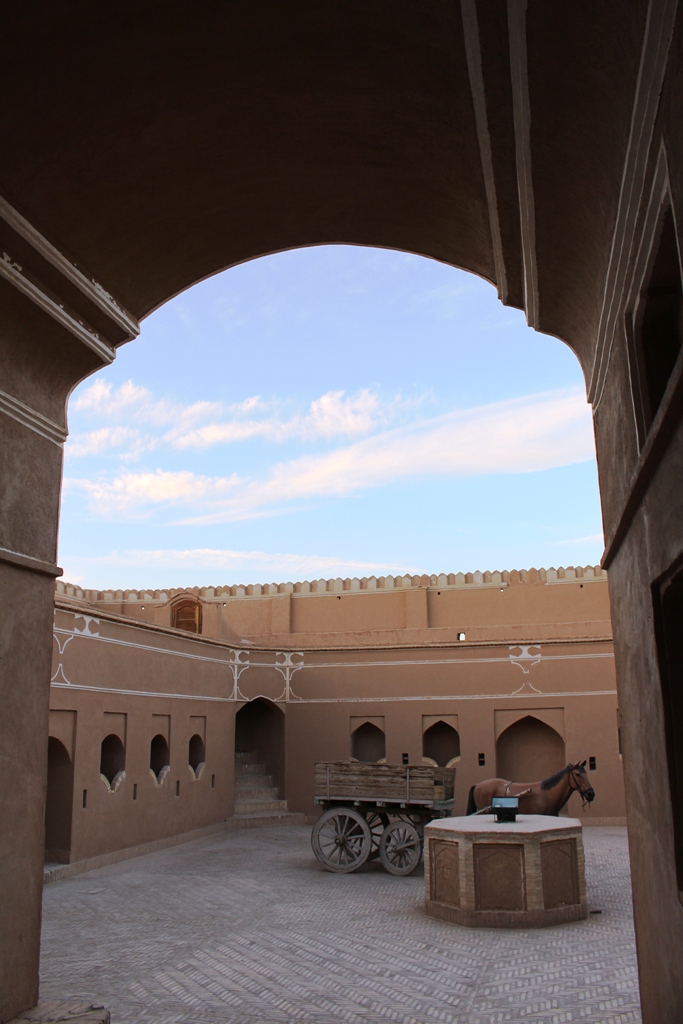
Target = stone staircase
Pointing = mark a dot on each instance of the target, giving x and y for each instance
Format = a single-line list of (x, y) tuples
[(256, 799)]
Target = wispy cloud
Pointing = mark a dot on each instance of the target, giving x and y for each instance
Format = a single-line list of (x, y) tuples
[(221, 560), (152, 423), (524, 435)]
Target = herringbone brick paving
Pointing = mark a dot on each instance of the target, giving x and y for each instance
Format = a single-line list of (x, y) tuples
[(245, 927)]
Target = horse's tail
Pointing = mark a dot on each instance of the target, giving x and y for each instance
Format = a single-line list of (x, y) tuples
[(471, 806)]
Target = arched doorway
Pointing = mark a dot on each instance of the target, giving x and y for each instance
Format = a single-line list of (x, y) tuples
[(441, 743), (112, 757), (529, 750), (260, 730), (59, 803), (368, 743)]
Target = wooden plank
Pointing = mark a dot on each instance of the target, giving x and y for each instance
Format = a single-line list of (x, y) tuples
[(356, 780)]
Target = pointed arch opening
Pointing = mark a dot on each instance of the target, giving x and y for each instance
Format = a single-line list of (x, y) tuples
[(529, 750)]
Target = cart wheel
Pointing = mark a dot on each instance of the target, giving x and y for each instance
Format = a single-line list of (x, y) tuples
[(377, 823), (341, 839), (400, 848)]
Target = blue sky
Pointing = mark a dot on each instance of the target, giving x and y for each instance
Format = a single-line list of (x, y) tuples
[(331, 411)]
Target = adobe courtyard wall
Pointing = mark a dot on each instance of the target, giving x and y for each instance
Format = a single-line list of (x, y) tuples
[(535, 644)]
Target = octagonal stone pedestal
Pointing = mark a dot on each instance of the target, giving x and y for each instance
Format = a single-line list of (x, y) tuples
[(526, 874)]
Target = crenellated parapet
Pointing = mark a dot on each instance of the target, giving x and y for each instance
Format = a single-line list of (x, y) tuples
[(504, 578)]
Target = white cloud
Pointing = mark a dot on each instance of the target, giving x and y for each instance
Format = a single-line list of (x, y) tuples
[(99, 398), (202, 425), (97, 441), (132, 492), (522, 435)]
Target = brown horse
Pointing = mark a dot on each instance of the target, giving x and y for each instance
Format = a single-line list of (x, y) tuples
[(546, 797)]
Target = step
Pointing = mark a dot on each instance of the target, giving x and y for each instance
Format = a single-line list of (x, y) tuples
[(246, 756), (258, 806), (255, 768), (245, 781), (265, 818), (256, 793)]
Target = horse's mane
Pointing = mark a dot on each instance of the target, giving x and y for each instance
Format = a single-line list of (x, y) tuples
[(553, 780)]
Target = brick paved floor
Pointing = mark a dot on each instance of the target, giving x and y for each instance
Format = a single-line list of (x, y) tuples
[(244, 927)]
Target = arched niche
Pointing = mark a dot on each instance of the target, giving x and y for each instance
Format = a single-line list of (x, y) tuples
[(159, 755), (529, 750), (59, 802), (112, 757), (260, 729), (441, 743), (196, 753), (368, 743)]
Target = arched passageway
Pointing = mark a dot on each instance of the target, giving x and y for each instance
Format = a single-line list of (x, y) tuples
[(260, 730), (441, 743), (59, 803), (529, 750)]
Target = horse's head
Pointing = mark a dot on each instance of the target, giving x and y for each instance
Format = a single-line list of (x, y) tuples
[(577, 775)]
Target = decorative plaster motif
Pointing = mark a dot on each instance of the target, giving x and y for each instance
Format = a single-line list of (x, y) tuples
[(115, 782), (288, 667), (162, 776), (525, 656)]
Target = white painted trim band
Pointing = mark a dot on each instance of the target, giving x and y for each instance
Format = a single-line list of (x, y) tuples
[(522, 118), (35, 421), (12, 273), (91, 289)]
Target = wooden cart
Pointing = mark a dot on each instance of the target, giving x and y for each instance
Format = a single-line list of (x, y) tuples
[(377, 810)]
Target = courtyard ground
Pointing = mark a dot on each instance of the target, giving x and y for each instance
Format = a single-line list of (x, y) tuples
[(245, 927)]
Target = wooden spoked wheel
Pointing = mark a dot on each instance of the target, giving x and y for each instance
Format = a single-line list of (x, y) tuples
[(377, 823), (341, 839), (400, 848)]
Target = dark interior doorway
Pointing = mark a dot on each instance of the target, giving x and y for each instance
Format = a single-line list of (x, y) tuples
[(441, 743), (59, 804), (529, 750), (112, 757), (368, 743), (260, 729)]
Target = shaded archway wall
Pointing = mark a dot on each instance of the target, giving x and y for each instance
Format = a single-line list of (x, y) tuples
[(59, 802), (251, 130)]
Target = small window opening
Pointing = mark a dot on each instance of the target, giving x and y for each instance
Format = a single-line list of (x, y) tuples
[(177, 787), (159, 754), (405, 759), (482, 760), (187, 615), (112, 757), (461, 636), (135, 791), (592, 764), (213, 782), (658, 325), (85, 798)]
